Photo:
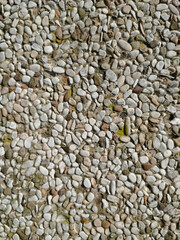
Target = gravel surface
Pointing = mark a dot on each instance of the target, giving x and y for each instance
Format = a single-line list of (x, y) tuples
[(89, 120)]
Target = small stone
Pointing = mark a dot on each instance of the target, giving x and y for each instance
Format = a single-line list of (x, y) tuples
[(177, 141), (105, 126), (82, 13), (30, 171), (147, 166), (118, 108), (59, 33), (88, 4), (9, 154), (154, 43), (126, 9), (144, 159), (90, 197), (26, 79), (27, 142), (87, 183), (81, 92), (53, 192), (132, 177), (105, 224), (173, 9), (97, 222), (137, 89), (18, 108), (125, 139), (2, 56), (111, 76), (125, 45)]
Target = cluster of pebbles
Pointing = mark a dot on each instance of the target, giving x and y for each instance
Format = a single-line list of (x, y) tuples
[(89, 119)]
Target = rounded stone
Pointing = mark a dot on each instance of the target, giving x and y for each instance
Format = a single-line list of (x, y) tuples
[(105, 224), (9, 154), (87, 183), (48, 49)]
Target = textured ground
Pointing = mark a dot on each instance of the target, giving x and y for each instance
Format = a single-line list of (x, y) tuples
[(90, 120)]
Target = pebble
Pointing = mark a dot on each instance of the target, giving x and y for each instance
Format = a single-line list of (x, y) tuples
[(111, 76), (58, 70), (27, 142), (125, 45), (87, 183), (18, 108), (43, 170), (81, 92), (132, 177), (48, 50), (144, 159), (90, 197)]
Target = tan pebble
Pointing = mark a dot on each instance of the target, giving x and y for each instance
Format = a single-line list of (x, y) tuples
[(125, 139), (34, 54), (147, 166), (153, 161), (18, 108), (93, 181), (59, 32), (43, 191), (154, 120), (4, 112), (105, 127), (155, 101), (174, 39), (55, 199), (58, 12), (177, 141), (53, 192), (54, 103), (126, 9), (154, 2), (118, 108), (24, 86), (137, 89), (17, 118), (97, 222), (105, 224), (69, 206), (37, 74), (66, 97)]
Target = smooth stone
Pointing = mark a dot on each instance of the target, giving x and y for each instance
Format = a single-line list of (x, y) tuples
[(125, 45), (2, 152), (27, 142), (144, 159), (132, 177), (48, 49), (26, 79), (87, 183), (81, 92), (27, 164), (18, 108), (125, 139), (30, 171), (90, 197), (173, 9), (43, 170), (111, 76), (2, 56), (58, 70)]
